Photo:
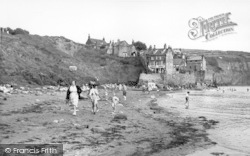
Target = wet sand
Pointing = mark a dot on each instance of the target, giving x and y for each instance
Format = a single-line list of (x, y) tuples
[(231, 109), (139, 126)]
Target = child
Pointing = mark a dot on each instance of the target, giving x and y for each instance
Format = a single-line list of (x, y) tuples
[(94, 96), (187, 100), (124, 92), (115, 101)]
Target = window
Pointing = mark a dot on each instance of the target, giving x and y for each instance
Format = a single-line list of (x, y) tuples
[(152, 58), (152, 63)]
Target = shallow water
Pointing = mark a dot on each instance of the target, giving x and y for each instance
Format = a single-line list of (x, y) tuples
[(230, 108)]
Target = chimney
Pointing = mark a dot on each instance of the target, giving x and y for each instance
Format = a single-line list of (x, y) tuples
[(133, 42), (150, 47), (118, 40), (154, 47), (89, 36), (103, 39), (165, 46)]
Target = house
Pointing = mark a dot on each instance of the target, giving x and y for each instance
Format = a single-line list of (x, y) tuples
[(179, 62), (196, 63), (160, 60), (122, 49), (96, 43)]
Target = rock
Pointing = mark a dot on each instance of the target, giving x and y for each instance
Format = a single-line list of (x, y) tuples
[(61, 120), (63, 89), (38, 93), (5, 90), (53, 94), (56, 121), (152, 96), (98, 130), (22, 88), (25, 92), (120, 116)]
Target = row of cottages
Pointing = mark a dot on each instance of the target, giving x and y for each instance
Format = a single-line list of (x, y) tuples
[(4, 30), (167, 60), (119, 48), (122, 49)]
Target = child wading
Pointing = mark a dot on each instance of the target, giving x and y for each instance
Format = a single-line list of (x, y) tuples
[(187, 100), (73, 95), (115, 101), (94, 96)]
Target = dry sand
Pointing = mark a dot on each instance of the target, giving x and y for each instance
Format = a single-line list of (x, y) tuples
[(139, 127)]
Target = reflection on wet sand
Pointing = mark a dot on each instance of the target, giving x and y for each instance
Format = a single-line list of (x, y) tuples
[(230, 108)]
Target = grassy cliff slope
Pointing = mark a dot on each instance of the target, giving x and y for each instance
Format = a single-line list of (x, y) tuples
[(36, 60)]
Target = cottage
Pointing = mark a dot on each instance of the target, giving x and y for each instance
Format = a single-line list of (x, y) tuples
[(96, 43), (196, 63), (122, 49), (160, 60), (179, 62)]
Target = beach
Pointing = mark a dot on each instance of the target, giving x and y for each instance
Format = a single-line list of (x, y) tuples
[(138, 127), (230, 108)]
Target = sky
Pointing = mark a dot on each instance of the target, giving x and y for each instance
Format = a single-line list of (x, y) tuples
[(154, 22)]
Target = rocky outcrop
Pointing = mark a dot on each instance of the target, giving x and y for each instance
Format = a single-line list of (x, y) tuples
[(225, 67)]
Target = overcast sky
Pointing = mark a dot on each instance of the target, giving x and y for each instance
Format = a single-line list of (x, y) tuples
[(153, 22)]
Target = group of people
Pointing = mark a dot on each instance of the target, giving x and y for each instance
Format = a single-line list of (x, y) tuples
[(74, 91)]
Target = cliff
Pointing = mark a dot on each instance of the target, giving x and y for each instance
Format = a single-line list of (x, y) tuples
[(45, 60), (225, 67), (37, 60)]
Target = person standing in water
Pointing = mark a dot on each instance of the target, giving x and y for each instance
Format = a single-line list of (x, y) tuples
[(187, 100), (94, 96), (73, 95)]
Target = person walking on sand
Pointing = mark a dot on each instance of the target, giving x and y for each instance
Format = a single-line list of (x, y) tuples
[(115, 101), (124, 92), (94, 96), (73, 95), (187, 100)]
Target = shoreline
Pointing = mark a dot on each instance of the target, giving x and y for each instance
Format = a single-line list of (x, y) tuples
[(139, 127), (224, 133)]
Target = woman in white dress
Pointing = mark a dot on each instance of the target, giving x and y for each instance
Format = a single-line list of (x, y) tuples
[(73, 96)]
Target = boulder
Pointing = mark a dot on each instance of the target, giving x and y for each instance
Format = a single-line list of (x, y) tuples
[(120, 116), (98, 130)]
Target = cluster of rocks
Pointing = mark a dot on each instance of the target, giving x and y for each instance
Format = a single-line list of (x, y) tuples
[(8, 89)]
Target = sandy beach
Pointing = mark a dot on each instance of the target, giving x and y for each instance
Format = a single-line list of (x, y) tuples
[(139, 126)]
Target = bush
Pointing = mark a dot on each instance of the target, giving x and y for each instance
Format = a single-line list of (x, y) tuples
[(17, 31)]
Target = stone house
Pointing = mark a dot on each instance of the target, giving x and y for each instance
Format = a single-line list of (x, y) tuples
[(96, 43), (196, 63), (160, 60), (122, 49), (179, 62)]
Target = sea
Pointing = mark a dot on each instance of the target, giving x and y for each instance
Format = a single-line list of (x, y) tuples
[(230, 105)]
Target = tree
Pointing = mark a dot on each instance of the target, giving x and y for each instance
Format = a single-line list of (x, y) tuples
[(140, 46)]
